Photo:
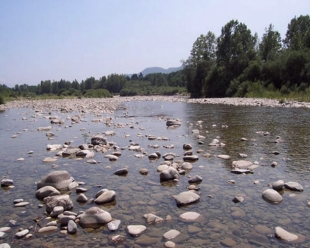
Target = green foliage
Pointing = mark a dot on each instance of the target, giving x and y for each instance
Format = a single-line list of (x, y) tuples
[(2, 100), (99, 93)]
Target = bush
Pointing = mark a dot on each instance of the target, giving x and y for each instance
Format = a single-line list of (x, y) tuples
[(2, 100), (99, 93)]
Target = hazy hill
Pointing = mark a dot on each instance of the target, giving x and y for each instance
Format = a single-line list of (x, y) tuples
[(150, 70)]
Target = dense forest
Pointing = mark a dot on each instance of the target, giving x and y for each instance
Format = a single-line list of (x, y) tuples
[(237, 63)]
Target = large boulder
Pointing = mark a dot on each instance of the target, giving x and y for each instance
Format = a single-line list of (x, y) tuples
[(185, 198), (46, 191), (98, 140), (169, 174), (58, 200), (94, 218), (57, 179)]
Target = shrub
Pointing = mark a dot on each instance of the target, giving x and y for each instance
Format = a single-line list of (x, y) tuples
[(2, 100)]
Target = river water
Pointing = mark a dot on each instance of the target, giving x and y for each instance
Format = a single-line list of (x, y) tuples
[(250, 223)]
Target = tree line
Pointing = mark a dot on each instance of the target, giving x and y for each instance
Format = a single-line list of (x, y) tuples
[(238, 63), (136, 84)]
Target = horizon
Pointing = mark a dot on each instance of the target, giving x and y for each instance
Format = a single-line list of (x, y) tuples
[(53, 40)]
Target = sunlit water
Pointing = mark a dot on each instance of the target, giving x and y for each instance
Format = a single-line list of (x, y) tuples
[(138, 195)]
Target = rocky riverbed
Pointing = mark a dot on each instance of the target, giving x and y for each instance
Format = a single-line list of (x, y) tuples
[(108, 105), (153, 172)]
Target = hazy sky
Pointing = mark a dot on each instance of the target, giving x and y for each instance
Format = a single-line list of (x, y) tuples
[(77, 39)]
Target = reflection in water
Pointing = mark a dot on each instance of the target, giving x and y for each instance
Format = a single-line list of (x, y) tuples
[(223, 222)]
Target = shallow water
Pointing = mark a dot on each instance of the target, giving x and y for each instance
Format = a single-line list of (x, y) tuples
[(138, 195)]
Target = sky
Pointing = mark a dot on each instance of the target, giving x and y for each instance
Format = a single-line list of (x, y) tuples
[(78, 39)]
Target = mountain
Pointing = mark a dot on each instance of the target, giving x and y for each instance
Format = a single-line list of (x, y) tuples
[(150, 70)]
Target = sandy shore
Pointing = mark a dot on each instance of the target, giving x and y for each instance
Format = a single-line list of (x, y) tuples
[(108, 105)]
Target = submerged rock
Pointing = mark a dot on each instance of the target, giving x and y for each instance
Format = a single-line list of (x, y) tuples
[(187, 197)]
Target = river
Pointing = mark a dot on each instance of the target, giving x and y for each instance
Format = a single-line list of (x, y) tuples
[(250, 223)]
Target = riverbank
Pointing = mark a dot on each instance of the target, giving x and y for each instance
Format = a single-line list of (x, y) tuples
[(108, 105)]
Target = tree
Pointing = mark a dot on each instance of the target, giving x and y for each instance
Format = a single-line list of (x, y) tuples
[(199, 63), (236, 48), (270, 45), (298, 33)]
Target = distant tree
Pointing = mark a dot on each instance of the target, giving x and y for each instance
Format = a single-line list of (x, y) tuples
[(270, 45), (134, 77)]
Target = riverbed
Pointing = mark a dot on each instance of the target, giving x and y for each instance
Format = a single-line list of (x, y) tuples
[(276, 138)]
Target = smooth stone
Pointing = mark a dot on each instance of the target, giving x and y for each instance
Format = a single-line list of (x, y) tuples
[(187, 166), (5, 245), (81, 198), (169, 174), (72, 227), (223, 156), (190, 158), (52, 223), (136, 230), (241, 164), (190, 216), (64, 219), (162, 167), (21, 234), (143, 171), (18, 200), (121, 172), (272, 196), (238, 199), (171, 234), (169, 244), (263, 229), (294, 186), (187, 197), (195, 179), (3, 235), (278, 185), (57, 179), (94, 217), (285, 235), (47, 229), (46, 191), (113, 225), (21, 204), (54, 147), (111, 157), (6, 182), (5, 229), (57, 210), (49, 160), (106, 197)]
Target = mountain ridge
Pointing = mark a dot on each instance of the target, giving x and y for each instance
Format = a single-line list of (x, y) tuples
[(157, 69)]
